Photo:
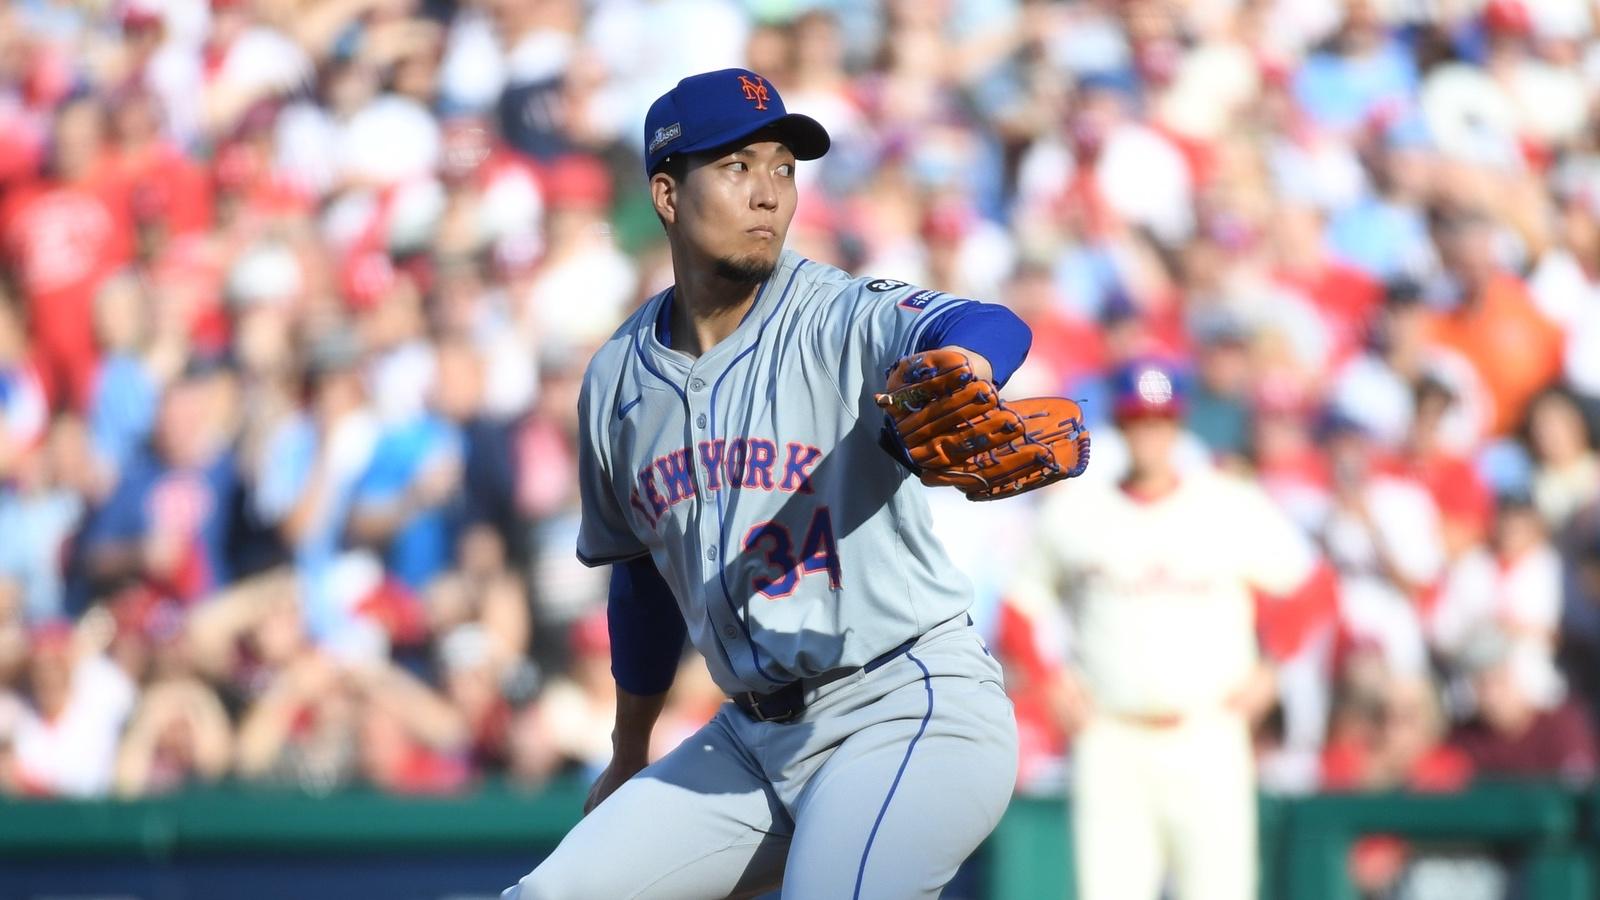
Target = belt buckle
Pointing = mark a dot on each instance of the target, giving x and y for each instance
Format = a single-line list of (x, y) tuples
[(752, 708)]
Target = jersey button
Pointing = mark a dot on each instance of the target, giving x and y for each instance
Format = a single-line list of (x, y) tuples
[(730, 632), (698, 384), (700, 421), (711, 552)]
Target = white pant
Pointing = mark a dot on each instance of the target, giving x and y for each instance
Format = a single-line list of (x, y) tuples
[(1152, 801)]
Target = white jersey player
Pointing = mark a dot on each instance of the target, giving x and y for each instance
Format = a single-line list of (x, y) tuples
[(1157, 572)]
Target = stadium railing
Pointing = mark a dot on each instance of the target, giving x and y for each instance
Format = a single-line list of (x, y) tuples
[(1551, 832)]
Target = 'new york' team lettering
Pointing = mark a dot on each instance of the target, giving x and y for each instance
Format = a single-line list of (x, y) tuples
[(740, 463)]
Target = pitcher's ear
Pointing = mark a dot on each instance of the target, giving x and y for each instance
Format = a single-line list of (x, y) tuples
[(664, 195)]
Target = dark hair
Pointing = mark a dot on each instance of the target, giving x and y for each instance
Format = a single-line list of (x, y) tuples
[(1430, 386), (1557, 392), (675, 165)]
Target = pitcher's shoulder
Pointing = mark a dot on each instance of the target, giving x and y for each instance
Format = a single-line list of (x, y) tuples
[(622, 344), (834, 288)]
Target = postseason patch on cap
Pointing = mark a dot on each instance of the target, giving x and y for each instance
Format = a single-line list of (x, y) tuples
[(665, 135)]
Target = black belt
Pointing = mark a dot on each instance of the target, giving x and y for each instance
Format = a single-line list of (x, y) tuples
[(786, 703)]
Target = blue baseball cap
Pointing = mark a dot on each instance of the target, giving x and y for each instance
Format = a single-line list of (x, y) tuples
[(1148, 387), (715, 109)]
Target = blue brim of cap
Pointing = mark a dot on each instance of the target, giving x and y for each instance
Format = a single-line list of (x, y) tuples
[(804, 136)]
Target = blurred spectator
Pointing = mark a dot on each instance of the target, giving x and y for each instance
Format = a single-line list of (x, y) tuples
[(1566, 475), (412, 741), (398, 503), (1219, 410), (1514, 585), (580, 260), (131, 376), (1365, 74), (64, 739), (294, 298), (1382, 533), (1379, 388), (179, 735), (576, 713), (308, 471), (1525, 727), (477, 688), (170, 194), (1463, 500), (303, 730), (488, 489), (1398, 744), (39, 513), (1492, 321), (24, 408), (483, 591), (480, 611), (63, 234), (166, 524)]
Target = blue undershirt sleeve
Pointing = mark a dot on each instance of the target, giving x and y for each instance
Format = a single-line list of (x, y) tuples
[(988, 329), (646, 628)]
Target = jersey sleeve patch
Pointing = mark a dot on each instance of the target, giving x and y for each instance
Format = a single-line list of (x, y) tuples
[(919, 301)]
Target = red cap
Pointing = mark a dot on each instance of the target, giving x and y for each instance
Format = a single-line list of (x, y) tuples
[(1508, 17), (578, 181), (946, 222), (139, 15), (365, 277)]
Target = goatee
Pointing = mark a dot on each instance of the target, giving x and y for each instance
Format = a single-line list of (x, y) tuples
[(749, 270)]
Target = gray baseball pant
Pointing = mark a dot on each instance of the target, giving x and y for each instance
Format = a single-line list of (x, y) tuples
[(878, 791)]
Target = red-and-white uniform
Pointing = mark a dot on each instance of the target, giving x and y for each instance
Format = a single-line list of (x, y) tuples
[(1159, 593)]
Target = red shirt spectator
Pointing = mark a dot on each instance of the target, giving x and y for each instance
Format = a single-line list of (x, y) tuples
[(64, 234), (168, 190)]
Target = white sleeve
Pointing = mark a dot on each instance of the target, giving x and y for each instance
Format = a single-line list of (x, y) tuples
[(1277, 558), (1407, 522), (1536, 592), (604, 534), (1040, 586), (1035, 584)]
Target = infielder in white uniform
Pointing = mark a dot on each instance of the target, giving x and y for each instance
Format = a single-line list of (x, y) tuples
[(752, 489), (1157, 571)]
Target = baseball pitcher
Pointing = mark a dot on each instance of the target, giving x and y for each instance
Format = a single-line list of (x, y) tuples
[(748, 442)]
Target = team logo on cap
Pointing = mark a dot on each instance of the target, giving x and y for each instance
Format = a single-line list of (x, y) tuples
[(1154, 387), (755, 90), (665, 135)]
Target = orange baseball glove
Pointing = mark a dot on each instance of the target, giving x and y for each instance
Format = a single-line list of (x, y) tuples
[(956, 431)]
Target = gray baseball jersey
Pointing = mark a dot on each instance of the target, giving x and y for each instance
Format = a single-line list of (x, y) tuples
[(795, 545), (755, 477)]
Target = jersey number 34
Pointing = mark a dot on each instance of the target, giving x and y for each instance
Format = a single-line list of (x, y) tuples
[(818, 553)]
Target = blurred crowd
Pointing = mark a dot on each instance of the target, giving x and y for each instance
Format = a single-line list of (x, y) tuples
[(295, 296)]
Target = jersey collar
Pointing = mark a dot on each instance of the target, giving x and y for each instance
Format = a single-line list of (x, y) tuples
[(772, 293)]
